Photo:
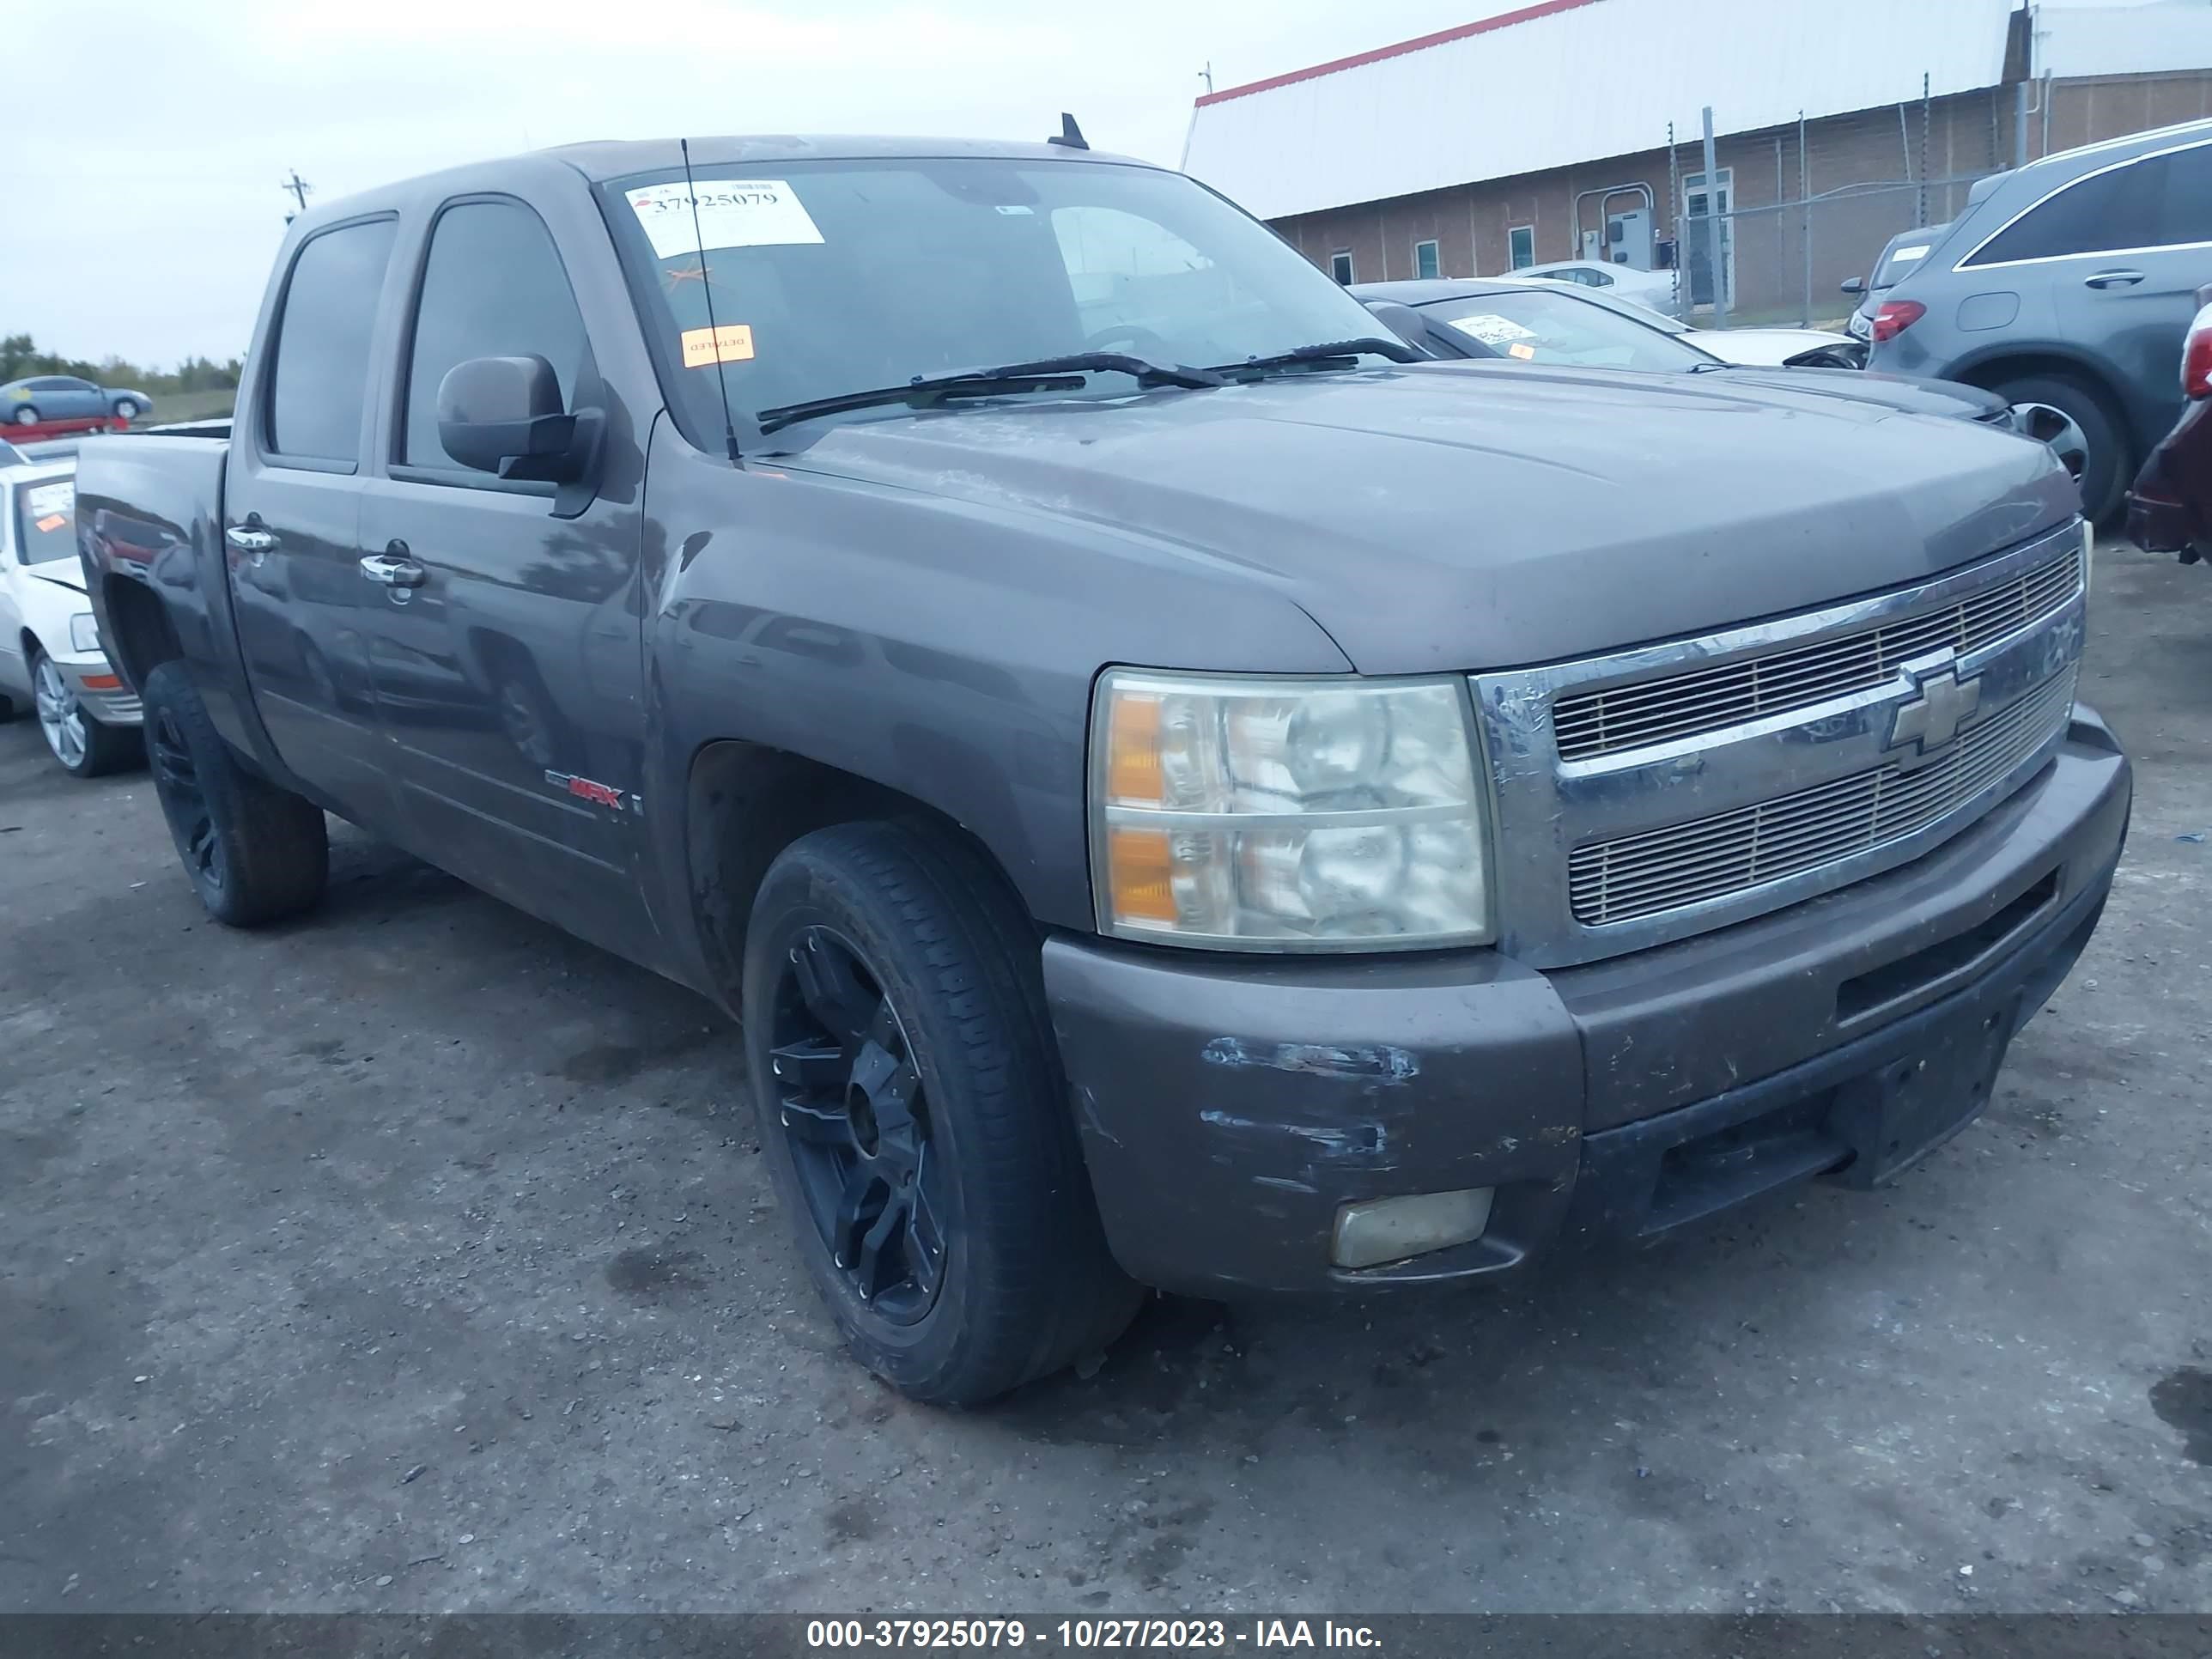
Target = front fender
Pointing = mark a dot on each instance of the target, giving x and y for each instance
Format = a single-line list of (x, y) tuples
[(938, 648)]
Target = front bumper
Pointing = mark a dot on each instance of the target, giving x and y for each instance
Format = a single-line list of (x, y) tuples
[(2170, 508), (100, 692), (1229, 1108)]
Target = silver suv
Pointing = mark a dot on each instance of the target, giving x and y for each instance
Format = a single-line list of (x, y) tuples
[(2066, 286)]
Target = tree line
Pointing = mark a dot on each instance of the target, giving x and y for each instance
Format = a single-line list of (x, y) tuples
[(20, 357)]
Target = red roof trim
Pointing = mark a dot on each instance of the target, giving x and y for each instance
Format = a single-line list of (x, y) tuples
[(1504, 20)]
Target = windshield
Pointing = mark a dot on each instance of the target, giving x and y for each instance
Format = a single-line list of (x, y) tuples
[(829, 278), (1533, 326), (46, 520)]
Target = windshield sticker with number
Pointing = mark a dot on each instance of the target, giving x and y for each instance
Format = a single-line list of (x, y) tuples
[(1491, 329), (732, 213)]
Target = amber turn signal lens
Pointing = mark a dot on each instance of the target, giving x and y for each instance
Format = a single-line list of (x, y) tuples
[(1132, 752), (1139, 868)]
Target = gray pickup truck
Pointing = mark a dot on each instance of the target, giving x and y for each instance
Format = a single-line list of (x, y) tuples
[(1174, 795)]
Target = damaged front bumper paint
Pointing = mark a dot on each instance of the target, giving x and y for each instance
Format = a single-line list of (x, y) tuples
[(1230, 1107)]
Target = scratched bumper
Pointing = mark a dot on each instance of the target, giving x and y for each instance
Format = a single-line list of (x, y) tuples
[(1228, 1107)]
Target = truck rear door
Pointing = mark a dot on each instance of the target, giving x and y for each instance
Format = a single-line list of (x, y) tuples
[(505, 653), (292, 517)]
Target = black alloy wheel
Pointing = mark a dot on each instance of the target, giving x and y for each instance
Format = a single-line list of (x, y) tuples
[(184, 803), (851, 1101)]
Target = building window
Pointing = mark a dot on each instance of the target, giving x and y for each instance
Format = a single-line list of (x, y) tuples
[(1522, 239), (1426, 263), (1339, 266)]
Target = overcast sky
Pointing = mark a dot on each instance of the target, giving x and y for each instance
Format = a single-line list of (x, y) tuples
[(139, 191)]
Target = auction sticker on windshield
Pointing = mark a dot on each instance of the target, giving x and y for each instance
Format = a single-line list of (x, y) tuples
[(1491, 329), (732, 213), (733, 342), (54, 502)]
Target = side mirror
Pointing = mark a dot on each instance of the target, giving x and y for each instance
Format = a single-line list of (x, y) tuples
[(1852, 285), (503, 416)]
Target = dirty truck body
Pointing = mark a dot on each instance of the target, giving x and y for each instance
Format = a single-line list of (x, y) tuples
[(1264, 825)]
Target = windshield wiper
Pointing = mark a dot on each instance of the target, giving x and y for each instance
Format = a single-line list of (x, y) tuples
[(1044, 374), (1343, 351)]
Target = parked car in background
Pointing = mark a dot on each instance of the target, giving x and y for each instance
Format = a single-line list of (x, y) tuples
[(1903, 253), (1494, 316), (1748, 348), (50, 659), (1655, 289), (2170, 510), (2066, 287), (44, 397)]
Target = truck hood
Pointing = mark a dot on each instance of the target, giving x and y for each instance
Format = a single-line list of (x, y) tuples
[(1456, 516), (1901, 392)]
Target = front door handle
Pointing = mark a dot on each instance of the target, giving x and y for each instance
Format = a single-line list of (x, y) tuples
[(394, 570), (2112, 279), (249, 538)]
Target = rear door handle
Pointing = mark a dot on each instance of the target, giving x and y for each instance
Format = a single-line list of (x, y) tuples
[(2113, 279), (248, 539), (394, 568)]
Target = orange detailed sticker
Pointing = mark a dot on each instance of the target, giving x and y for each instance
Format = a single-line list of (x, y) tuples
[(1525, 353), (51, 523), (703, 348)]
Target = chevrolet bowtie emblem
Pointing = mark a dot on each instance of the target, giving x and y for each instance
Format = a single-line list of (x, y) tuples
[(1933, 718)]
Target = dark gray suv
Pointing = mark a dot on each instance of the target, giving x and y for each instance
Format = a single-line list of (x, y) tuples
[(2067, 287)]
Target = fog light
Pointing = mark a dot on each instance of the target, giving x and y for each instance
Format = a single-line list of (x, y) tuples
[(1392, 1228)]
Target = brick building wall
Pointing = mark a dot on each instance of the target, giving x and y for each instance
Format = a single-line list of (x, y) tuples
[(1967, 134)]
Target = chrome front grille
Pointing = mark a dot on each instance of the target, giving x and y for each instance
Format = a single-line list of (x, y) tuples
[(1653, 711), (1684, 864), (1656, 792)]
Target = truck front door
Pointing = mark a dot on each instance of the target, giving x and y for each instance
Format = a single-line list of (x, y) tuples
[(507, 653)]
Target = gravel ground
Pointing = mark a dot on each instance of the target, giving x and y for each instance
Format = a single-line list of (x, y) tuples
[(416, 1257)]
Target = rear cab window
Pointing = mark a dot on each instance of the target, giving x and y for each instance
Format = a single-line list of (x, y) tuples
[(319, 373)]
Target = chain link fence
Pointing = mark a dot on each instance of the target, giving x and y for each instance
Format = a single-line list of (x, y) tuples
[(1787, 261)]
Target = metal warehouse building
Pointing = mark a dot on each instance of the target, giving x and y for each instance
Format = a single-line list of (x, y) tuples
[(1572, 129)]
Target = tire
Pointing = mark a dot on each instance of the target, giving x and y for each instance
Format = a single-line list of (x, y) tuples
[(26, 416), (126, 409), (2106, 467), (910, 942), (254, 852), (84, 747)]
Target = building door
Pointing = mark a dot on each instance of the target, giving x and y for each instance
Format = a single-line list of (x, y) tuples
[(1696, 236)]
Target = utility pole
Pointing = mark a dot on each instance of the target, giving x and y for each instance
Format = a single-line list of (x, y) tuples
[(1207, 73), (297, 189), (1713, 223)]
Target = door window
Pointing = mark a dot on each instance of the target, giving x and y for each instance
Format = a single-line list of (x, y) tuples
[(1339, 266), (1521, 240), (2137, 205), (1426, 263), (320, 376), (2185, 208), (493, 287)]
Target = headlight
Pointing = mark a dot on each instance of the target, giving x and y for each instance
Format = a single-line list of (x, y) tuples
[(84, 632), (1287, 815)]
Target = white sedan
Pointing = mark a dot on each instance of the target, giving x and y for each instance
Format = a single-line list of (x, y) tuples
[(1654, 289), (50, 654)]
